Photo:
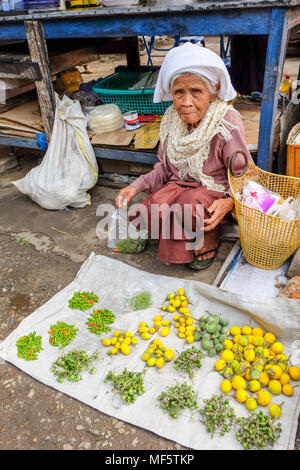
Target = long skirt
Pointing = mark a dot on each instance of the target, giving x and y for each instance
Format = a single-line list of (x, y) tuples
[(175, 240)]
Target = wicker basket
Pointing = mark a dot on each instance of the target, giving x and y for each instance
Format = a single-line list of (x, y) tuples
[(267, 241)]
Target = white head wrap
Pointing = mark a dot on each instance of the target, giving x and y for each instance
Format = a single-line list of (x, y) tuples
[(194, 59)]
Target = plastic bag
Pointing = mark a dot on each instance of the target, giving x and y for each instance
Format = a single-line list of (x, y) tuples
[(105, 118), (258, 197), (118, 238), (69, 168), (139, 301)]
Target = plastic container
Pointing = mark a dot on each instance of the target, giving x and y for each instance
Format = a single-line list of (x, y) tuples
[(115, 89), (286, 86), (131, 120)]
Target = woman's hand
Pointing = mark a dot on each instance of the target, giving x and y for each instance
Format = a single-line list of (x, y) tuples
[(218, 210), (125, 196)]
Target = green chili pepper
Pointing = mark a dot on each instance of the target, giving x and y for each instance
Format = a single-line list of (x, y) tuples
[(29, 346)]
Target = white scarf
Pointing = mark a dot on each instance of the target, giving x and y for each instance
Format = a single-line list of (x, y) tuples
[(188, 151)]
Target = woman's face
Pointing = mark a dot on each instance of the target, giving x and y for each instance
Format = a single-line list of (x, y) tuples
[(191, 98)]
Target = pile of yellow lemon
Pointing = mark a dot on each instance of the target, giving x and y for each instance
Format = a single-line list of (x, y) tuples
[(120, 342), (183, 320), (158, 325), (157, 354), (251, 361)]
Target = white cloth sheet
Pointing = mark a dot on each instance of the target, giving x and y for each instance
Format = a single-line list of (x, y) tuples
[(114, 282)]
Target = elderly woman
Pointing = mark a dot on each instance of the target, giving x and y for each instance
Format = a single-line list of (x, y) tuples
[(198, 134)]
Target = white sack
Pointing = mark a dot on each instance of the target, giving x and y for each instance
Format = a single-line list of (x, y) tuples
[(69, 168), (114, 282)]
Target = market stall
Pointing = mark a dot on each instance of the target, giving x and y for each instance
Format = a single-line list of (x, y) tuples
[(273, 18)]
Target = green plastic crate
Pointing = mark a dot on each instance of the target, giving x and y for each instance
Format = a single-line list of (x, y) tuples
[(114, 89)]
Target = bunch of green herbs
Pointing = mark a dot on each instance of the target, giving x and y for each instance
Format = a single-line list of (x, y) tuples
[(129, 385), (72, 364)]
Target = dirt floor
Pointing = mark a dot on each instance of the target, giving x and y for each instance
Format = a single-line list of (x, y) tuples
[(40, 253)]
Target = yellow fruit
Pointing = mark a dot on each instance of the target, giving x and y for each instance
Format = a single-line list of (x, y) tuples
[(184, 311), (257, 331), (157, 318), (151, 361), (114, 340), (251, 404), (247, 374), (269, 338), (246, 330), (275, 410), (228, 344), (220, 364), (164, 308), (117, 333), (277, 347), (176, 303), (254, 385), (176, 317), (113, 351), (264, 379), (284, 379), (142, 323), (189, 321), (294, 373), (227, 355), (238, 382), (164, 331), (241, 395), (165, 322), (169, 354), (225, 386), (190, 339), (134, 340), (266, 353), (263, 398), (157, 324), (143, 329), (152, 331), (181, 320), (235, 330), (157, 342), (145, 357), (281, 357), (160, 362), (237, 348), (125, 349), (106, 342), (249, 355), (283, 366), (177, 325), (128, 334), (275, 371), (117, 345), (171, 309), (181, 335), (250, 339), (236, 339), (145, 335), (274, 387), (184, 303), (288, 390), (127, 340), (180, 291), (243, 340), (158, 353), (258, 340), (181, 329), (171, 296)]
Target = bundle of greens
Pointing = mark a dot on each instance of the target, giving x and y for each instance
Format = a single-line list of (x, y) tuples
[(176, 398), (61, 334), (129, 385), (98, 321), (83, 300), (29, 346), (257, 431), (217, 414), (70, 365), (129, 245), (140, 301), (189, 360)]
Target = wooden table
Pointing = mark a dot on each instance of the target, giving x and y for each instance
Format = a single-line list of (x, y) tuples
[(159, 17)]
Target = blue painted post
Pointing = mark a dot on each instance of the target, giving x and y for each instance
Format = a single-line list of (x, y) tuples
[(278, 34)]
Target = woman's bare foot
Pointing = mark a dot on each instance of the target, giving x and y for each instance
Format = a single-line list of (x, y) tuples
[(211, 243)]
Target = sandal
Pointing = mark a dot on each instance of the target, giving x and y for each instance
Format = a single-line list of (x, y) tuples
[(203, 263)]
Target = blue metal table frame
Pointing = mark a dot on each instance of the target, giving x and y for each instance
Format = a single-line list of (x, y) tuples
[(170, 17)]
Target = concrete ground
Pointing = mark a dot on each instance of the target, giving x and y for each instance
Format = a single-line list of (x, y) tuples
[(40, 253)]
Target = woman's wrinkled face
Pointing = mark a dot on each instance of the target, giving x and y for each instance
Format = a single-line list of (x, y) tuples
[(191, 98)]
